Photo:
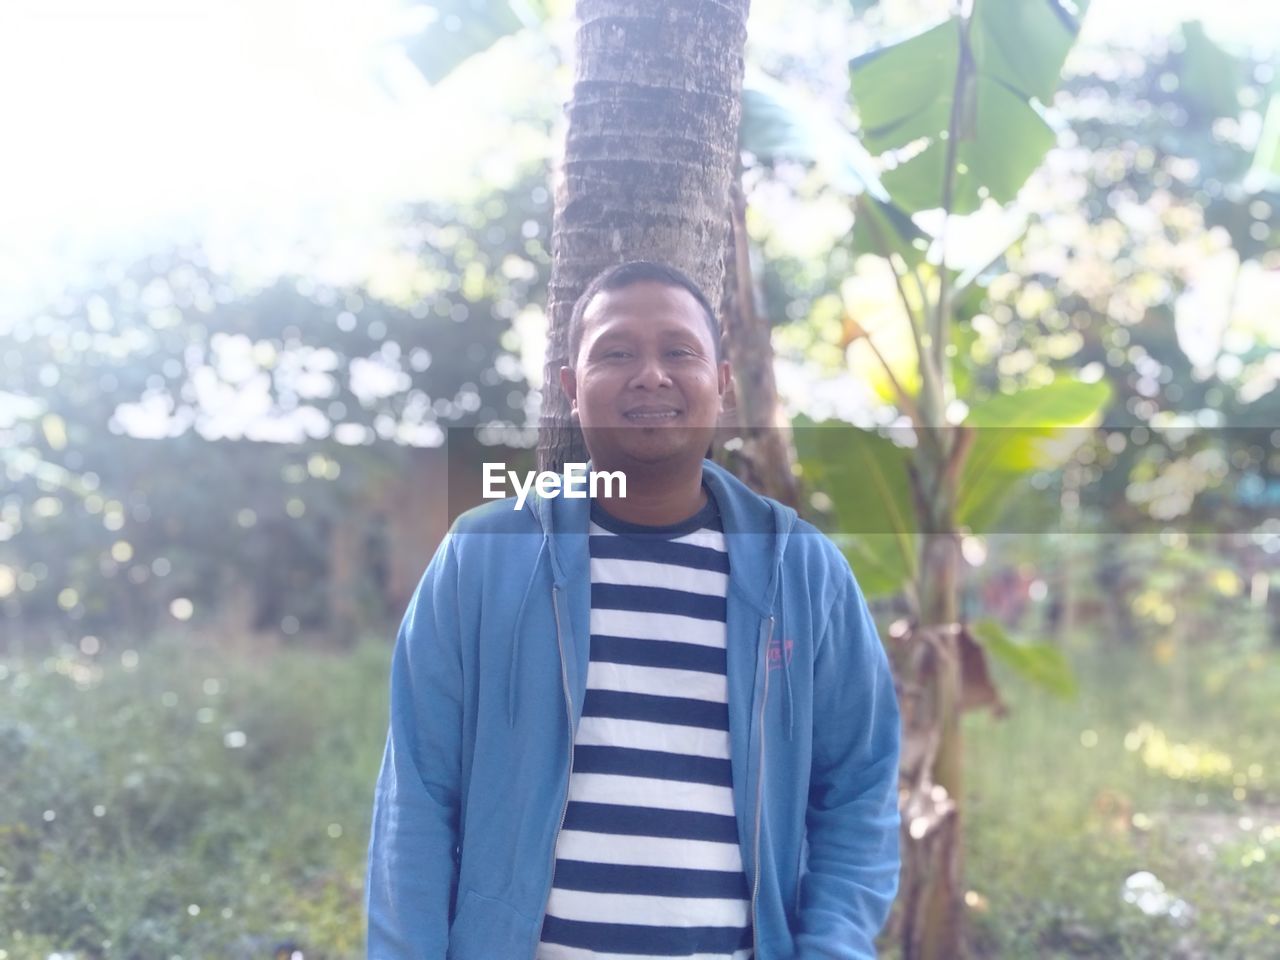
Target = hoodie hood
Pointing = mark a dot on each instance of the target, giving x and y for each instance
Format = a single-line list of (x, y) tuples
[(756, 528), (755, 561)]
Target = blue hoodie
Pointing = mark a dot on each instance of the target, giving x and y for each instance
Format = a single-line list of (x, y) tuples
[(488, 679)]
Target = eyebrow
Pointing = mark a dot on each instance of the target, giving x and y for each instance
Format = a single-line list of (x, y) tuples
[(605, 339), (668, 334)]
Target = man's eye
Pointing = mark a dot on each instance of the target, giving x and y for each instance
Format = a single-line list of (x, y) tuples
[(616, 354), (682, 352)]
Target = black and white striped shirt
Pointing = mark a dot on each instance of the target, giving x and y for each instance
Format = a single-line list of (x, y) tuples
[(647, 862)]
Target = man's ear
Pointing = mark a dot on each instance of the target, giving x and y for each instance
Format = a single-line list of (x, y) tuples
[(569, 384), (728, 393)]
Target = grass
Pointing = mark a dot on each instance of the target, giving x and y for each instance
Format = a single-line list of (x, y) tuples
[(199, 804), (1171, 770), (192, 806)]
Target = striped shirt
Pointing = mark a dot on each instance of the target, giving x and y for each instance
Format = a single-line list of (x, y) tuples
[(647, 861)]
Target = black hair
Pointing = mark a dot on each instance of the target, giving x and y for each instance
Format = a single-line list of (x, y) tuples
[(624, 275)]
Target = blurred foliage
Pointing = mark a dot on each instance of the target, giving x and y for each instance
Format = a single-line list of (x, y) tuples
[(1141, 254), (282, 404), (1149, 264)]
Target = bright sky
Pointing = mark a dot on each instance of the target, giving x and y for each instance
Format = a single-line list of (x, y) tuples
[(130, 123), (250, 124)]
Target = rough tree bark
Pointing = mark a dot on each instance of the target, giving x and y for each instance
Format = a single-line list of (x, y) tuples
[(650, 152)]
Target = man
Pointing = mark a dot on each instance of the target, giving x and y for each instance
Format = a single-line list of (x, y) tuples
[(658, 725)]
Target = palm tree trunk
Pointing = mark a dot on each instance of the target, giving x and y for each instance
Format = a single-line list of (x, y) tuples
[(651, 148)]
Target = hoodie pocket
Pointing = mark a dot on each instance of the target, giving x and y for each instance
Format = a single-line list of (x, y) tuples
[(486, 928)]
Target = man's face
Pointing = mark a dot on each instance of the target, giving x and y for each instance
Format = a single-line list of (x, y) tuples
[(645, 384)]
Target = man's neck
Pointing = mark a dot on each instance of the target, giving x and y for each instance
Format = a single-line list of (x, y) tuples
[(658, 499)]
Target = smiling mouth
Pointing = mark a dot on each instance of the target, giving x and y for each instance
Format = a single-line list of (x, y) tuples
[(652, 416)]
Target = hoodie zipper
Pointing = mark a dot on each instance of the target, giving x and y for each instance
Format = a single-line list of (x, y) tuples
[(755, 890), (564, 810)]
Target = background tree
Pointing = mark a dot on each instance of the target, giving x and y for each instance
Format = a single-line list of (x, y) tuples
[(957, 107)]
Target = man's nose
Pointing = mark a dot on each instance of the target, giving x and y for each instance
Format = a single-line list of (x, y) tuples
[(651, 373)]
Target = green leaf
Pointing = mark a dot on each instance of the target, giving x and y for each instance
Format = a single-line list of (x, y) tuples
[(1018, 433), (463, 28), (1063, 403), (1023, 43), (884, 229), (1002, 64), (1041, 663), (1011, 139), (866, 477), (902, 91), (778, 124)]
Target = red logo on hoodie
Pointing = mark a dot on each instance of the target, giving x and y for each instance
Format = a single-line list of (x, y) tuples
[(779, 649)]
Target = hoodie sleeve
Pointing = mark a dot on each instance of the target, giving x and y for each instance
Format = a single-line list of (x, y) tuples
[(414, 834), (852, 819)]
